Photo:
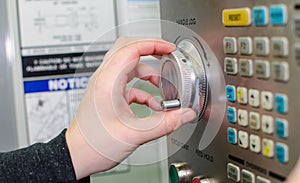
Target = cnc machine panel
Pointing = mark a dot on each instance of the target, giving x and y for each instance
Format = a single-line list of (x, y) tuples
[(252, 119)]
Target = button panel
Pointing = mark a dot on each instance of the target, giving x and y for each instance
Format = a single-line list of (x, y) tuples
[(259, 113)]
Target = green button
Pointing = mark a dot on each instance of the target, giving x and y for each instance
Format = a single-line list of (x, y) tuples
[(173, 174)]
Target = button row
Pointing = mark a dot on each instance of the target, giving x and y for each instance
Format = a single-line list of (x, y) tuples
[(277, 15), (257, 122), (261, 45), (234, 173), (257, 145), (245, 67), (255, 98)]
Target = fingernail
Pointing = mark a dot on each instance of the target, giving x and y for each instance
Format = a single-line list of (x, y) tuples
[(187, 115)]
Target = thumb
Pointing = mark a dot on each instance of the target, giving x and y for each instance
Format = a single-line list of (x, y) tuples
[(166, 122)]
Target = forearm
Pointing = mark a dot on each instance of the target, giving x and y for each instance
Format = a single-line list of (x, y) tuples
[(41, 162)]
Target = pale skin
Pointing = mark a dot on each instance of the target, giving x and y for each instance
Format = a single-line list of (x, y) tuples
[(105, 108)]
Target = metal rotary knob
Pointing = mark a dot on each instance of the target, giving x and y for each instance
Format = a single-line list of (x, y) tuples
[(183, 77)]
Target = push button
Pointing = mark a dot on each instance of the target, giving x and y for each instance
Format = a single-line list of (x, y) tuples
[(260, 179), (245, 45), (247, 176), (233, 172), (278, 14), (281, 127), (267, 100), (281, 103), (242, 96), (245, 67), (231, 114), (232, 135), (280, 46), (267, 148), (262, 69), (262, 46), (254, 120), (242, 117), (267, 125), (243, 139), (230, 66), (230, 93), (254, 143), (281, 152), (254, 98), (280, 71), (236, 17), (260, 16), (230, 45)]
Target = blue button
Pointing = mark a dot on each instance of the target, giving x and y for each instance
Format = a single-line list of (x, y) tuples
[(230, 93), (231, 114), (231, 135), (281, 103), (281, 152), (278, 14), (281, 127), (260, 16)]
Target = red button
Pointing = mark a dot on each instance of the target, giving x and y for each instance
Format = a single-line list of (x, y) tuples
[(195, 180)]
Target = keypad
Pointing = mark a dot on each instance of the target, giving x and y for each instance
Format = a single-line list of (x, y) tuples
[(257, 116)]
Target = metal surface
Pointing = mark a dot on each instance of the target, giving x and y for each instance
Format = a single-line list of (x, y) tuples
[(205, 19), (170, 104), (8, 130)]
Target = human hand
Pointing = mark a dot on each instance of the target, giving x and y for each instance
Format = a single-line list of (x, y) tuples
[(104, 130), (295, 174)]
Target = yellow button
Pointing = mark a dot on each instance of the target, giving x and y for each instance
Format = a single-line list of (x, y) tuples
[(237, 17)]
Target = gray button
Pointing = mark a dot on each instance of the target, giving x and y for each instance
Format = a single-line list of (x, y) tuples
[(280, 71), (229, 44), (262, 69), (280, 46), (233, 172), (261, 45), (247, 177), (230, 65), (245, 45), (245, 67), (262, 180)]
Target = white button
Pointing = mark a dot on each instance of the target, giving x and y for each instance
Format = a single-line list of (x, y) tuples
[(267, 100), (267, 124), (243, 139), (242, 96), (267, 148), (254, 143), (262, 180), (233, 172), (245, 45), (254, 98), (254, 120), (280, 46), (242, 117), (230, 66), (262, 46), (262, 69), (280, 71), (245, 67), (230, 45), (247, 177)]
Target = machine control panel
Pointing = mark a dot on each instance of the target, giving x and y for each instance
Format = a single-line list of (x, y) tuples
[(254, 47)]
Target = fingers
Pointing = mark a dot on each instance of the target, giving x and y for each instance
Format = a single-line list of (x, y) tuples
[(145, 72), (160, 124), (131, 50), (142, 97)]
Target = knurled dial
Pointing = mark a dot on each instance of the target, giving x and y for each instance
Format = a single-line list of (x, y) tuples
[(183, 77)]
